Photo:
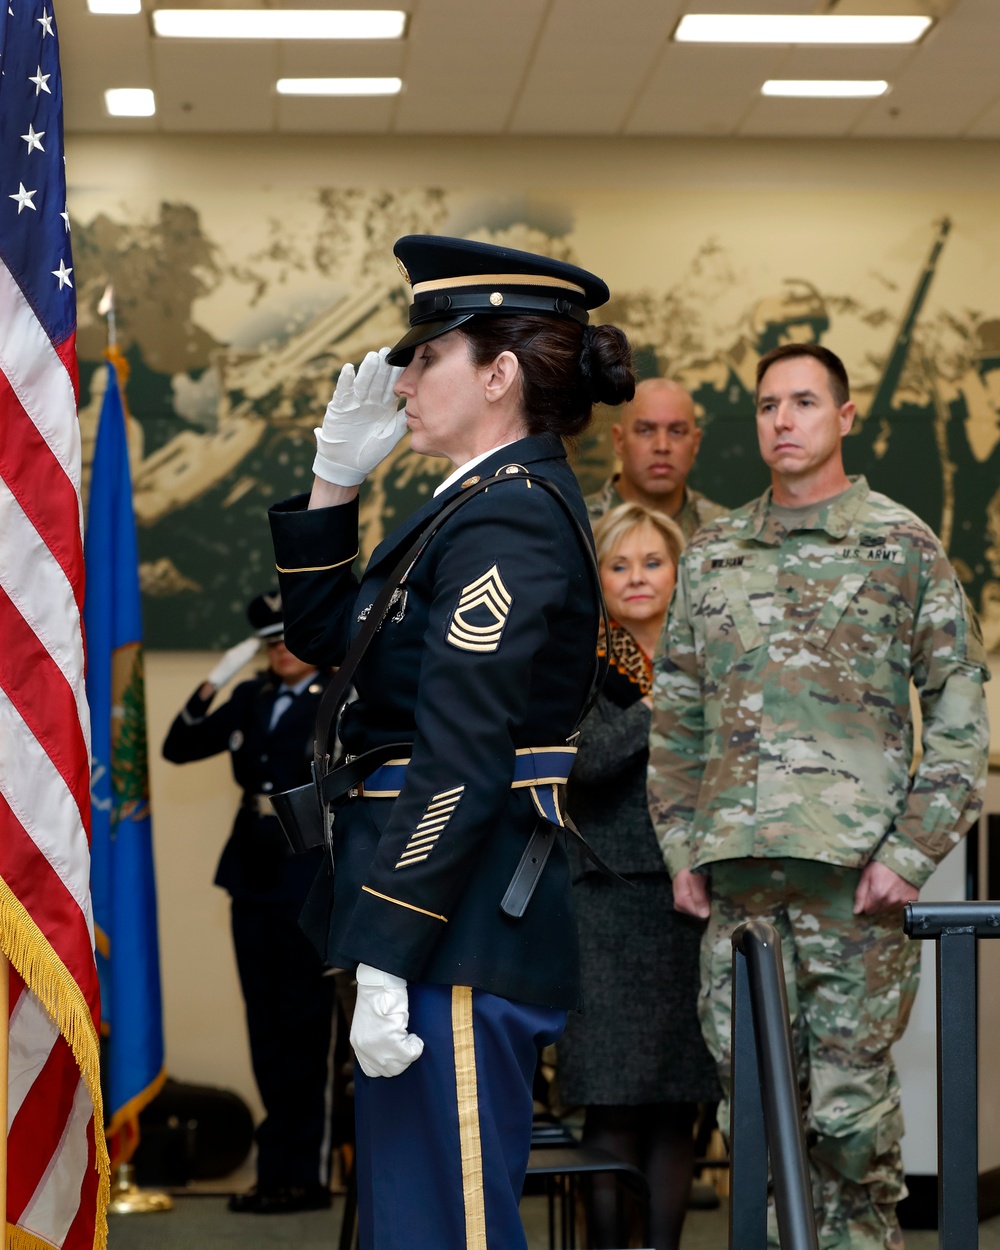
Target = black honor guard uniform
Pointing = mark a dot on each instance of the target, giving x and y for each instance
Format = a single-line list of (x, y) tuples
[(479, 671), (268, 731), (482, 664)]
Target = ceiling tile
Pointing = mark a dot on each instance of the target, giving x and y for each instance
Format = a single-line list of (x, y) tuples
[(215, 84), (328, 115), (674, 100), (772, 117), (987, 124), (120, 58), (950, 79), (591, 60)]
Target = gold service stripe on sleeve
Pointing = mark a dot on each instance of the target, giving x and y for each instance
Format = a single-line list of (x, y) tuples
[(319, 568), (399, 903), (469, 1137)]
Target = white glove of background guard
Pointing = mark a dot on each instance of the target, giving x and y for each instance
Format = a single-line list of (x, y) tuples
[(233, 661), (378, 1030), (362, 424)]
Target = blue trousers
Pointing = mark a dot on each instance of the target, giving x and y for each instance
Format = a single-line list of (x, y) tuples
[(442, 1149)]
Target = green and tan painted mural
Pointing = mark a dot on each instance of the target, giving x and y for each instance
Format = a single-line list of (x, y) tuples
[(236, 314)]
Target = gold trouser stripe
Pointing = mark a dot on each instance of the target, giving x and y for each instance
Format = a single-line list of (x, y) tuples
[(399, 903), (469, 1138), (319, 568), (496, 279)]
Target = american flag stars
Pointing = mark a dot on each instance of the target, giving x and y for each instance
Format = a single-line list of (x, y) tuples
[(33, 231), (24, 198), (34, 137), (62, 273)]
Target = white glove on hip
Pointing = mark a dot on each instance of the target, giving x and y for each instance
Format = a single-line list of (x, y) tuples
[(379, 1028), (233, 661), (362, 424)]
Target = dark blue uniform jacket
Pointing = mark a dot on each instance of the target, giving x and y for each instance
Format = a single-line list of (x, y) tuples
[(491, 650), (255, 862)]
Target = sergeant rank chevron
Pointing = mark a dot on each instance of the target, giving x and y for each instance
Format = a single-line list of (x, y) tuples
[(478, 621)]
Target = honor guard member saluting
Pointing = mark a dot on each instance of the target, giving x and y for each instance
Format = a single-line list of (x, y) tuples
[(267, 728), (481, 669)]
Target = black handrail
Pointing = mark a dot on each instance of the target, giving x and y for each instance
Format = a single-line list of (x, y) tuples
[(766, 1118), (956, 927)]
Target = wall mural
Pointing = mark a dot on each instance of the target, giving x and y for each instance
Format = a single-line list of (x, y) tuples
[(235, 338)]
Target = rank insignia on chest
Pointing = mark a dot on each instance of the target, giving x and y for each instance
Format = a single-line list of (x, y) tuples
[(477, 624)]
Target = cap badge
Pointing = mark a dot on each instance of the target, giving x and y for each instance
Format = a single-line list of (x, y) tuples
[(496, 299), (402, 269)]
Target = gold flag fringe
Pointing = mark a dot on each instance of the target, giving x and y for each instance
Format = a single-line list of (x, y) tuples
[(48, 978), (19, 1239)]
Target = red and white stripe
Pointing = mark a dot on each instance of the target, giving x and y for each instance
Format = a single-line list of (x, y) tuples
[(57, 1162)]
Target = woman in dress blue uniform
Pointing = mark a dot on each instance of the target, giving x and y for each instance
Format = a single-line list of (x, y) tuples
[(482, 670), (266, 725)]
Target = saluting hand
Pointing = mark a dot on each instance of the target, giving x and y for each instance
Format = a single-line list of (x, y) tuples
[(362, 423), (232, 661)]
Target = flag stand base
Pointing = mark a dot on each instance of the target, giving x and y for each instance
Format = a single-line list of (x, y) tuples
[(128, 1199)]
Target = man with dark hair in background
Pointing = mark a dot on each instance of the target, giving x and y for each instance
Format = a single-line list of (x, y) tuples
[(780, 756), (656, 441)]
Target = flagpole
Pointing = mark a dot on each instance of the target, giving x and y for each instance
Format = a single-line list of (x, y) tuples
[(4, 1064)]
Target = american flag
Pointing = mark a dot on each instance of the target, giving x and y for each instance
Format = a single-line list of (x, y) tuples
[(57, 1170)]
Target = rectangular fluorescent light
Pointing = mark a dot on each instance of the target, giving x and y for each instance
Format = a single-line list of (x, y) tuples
[(279, 23), (114, 6), (130, 102), (826, 88), (775, 28), (339, 86)]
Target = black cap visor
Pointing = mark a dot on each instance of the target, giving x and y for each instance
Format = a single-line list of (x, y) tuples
[(402, 352)]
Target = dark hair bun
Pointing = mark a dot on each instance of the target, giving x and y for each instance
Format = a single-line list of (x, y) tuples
[(606, 362)]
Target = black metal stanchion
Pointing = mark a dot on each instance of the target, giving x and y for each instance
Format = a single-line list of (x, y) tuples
[(747, 1143), (766, 1111), (956, 927)]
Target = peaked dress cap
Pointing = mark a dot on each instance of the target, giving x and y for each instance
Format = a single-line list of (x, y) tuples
[(264, 615), (454, 280)]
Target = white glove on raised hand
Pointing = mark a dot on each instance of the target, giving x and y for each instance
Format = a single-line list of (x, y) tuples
[(378, 1030), (233, 661), (362, 424)]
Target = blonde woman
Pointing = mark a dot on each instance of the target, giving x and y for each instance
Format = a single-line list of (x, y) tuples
[(634, 1056)]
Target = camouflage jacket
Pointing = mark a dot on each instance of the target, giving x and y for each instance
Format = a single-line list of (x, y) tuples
[(782, 722), (695, 512)]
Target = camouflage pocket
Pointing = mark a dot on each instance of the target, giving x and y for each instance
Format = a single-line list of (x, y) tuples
[(857, 624), (731, 628)]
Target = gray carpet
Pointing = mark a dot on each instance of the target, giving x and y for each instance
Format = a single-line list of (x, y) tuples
[(203, 1223)]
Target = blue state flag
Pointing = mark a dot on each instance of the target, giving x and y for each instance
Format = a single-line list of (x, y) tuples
[(122, 877)]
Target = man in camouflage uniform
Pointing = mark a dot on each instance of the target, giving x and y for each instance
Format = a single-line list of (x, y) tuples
[(656, 441), (779, 776)]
